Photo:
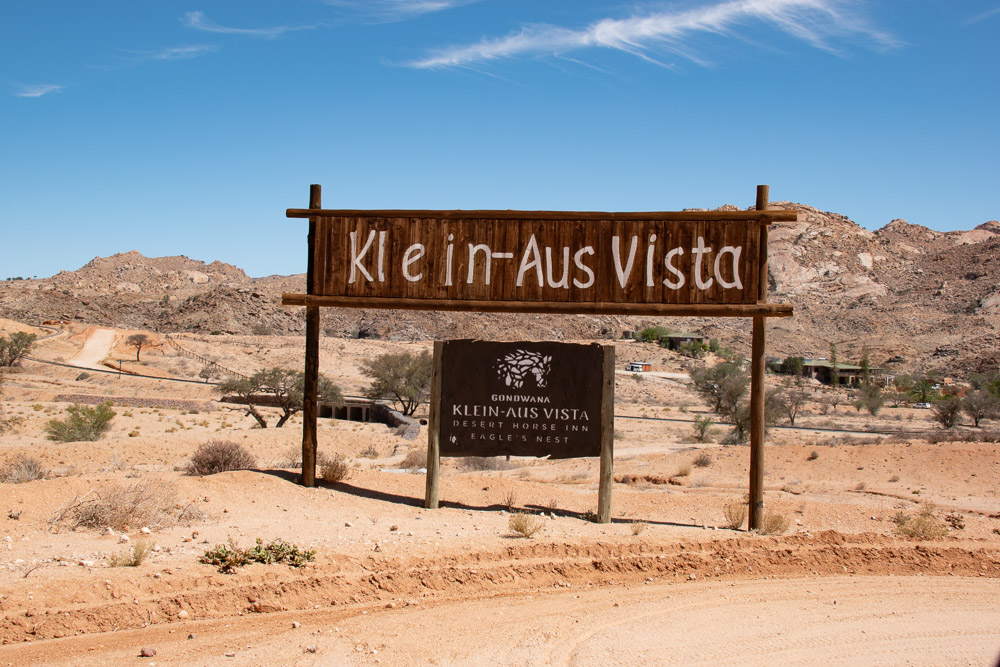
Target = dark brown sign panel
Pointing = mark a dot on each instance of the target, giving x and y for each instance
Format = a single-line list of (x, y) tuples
[(521, 399), (519, 258)]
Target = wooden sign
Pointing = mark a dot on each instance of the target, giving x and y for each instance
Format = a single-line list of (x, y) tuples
[(537, 261), (520, 399)]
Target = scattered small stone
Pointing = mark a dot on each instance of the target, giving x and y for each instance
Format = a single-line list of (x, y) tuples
[(123, 539), (296, 624), (182, 614), (378, 547), (393, 528), (348, 524), (147, 652), (310, 649), (191, 636), (231, 654), (145, 530), (692, 576)]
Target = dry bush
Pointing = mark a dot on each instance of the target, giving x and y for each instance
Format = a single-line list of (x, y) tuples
[(523, 524), (484, 463), (292, 459), (684, 471), (217, 456), (923, 525), (369, 452), (703, 460), (149, 504), (134, 556), (813, 455), (415, 459), (736, 513), (335, 470), (963, 436), (773, 523), (21, 469), (638, 527), (509, 500)]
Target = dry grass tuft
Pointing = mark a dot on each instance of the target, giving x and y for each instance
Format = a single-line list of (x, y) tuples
[(149, 504), (523, 524), (134, 556), (773, 523), (736, 514), (415, 460), (509, 500), (638, 527), (484, 463), (21, 469), (923, 525), (703, 460), (335, 470)]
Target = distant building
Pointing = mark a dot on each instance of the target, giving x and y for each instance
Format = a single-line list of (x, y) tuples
[(639, 367), (823, 370), (675, 340)]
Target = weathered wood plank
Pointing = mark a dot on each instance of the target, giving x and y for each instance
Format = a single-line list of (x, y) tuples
[(762, 216), (554, 307)]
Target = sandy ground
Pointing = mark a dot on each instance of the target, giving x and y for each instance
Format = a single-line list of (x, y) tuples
[(667, 582)]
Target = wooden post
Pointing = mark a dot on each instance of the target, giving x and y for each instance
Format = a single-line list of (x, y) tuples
[(607, 436), (311, 382), (434, 431), (757, 372)]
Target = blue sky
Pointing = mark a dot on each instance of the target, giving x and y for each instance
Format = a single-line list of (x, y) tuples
[(177, 128)]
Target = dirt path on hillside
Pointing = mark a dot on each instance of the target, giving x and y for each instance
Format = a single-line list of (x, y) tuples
[(803, 621), (95, 350)]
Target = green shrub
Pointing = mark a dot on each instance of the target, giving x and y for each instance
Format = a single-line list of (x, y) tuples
[(228, 557), (217, 456), (81, 424)]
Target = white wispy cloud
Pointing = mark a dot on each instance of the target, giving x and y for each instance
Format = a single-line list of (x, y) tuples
[(38, 90), (814, 21), (396, 10), (990, 13), (198, 21), (180, 52)]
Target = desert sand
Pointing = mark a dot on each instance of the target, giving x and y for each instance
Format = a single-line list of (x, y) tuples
[(667, 582)]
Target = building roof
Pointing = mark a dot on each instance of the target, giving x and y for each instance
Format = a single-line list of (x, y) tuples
[(826, 363)]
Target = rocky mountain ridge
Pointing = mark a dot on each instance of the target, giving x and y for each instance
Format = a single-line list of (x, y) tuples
[(916, 298)]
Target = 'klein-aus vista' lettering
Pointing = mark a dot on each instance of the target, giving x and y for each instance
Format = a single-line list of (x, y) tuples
[(636, 262)]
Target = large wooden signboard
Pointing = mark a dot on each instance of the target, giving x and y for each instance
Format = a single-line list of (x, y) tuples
[(521, 399), (541, 261), (702, 263)]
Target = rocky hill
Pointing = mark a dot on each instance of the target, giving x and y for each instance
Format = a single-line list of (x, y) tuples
[(916, 298)]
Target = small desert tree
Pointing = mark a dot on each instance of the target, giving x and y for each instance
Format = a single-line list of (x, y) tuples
[(246, 391), (870, 397), (980, 404), (702, 428), (288, 388), (790, 403), (403, 377), (14, 348), (285, 386), (208, 372), (138, 341), (946, 411)]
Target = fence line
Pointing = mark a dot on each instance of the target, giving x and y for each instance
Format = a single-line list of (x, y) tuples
[(208, 362)]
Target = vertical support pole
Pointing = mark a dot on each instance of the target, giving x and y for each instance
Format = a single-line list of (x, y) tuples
[(311, 381), (757, 372), (434, 432), (607, 435)]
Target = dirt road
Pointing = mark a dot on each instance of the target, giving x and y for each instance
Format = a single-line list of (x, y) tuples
[(802, 621), (95, 350)]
